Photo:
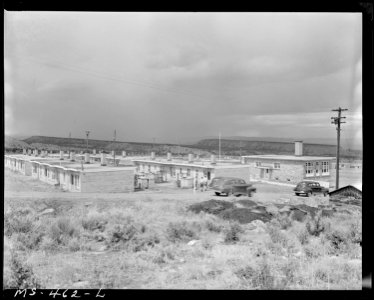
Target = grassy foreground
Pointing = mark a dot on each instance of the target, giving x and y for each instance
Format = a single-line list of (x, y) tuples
[(154, 243)]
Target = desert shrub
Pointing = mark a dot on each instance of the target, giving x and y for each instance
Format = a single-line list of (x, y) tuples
[(212, 226), (277, 236), (48, 244), (303, 236), (177, 231), (316, 225), (21, 275), (274, 248), (244, 215), (17, 222), (259, 277), (290, 270), (315, 248), (232, 233), (142, 242), (355, 232), (29, 241), (62, 230), (284, 221), (94, 222), (74, 244), (163, 256), (122, 233)]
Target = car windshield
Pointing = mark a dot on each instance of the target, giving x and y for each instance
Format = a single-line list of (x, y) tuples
[(216, 181)]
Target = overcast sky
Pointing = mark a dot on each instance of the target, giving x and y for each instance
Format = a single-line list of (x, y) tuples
[(176, 76)]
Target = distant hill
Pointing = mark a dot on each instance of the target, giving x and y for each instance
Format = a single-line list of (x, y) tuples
[(249, 147), (205, 147), (11, 143), (67, 144), (345, 142)]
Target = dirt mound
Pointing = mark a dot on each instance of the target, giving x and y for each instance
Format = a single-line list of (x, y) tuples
[(356, 202), (309, 209), (243, 215), (211, 206), (246, 203), (298, 215)]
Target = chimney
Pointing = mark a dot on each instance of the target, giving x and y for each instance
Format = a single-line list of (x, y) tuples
[(123, 153), (86, 158), (169, 156), (61, 155), (298, 148), (213, 159), (190, 158), (72, 158), (103, 160), (153, 156), (94, 151)]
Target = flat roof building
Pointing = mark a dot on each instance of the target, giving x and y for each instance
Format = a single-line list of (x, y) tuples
[(74, 176), (192, 170), (289, 168)]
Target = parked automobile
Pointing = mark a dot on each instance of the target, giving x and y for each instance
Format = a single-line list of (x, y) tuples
[(231, 186), (310, 188)]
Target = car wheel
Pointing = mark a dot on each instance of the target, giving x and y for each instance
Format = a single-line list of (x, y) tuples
[(218, 193), (297, 194)]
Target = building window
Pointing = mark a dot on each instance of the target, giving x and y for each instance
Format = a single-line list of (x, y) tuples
[(325, 168), (149, 168), (45, 172), (309, 169), (277, 165), (188, 172), (173, 173), (317, 168), (258, 164)]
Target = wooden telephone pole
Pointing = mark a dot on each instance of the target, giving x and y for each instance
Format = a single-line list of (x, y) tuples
[(337, 121), (87, 134), (114, 148)]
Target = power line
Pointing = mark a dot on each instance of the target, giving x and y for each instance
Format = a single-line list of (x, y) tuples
[(337, 121)]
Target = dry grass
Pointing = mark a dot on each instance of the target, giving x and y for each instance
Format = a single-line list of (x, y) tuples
[(142, 241)]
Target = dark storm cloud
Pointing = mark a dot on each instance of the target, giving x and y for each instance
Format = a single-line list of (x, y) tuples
[(175, 75)]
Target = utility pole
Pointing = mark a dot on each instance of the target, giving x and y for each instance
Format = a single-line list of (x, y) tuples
[(219, 146), (337, 121), (114, 148), (69, 142), (87, 134)]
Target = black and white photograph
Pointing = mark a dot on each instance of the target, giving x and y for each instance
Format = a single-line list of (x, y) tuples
[(183, 150)]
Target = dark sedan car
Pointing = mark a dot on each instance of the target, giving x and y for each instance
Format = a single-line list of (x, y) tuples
[(231, 186), (309, 188)]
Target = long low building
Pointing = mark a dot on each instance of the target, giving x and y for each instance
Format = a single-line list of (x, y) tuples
[(73, 176), (290, 168), (193, 168)]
